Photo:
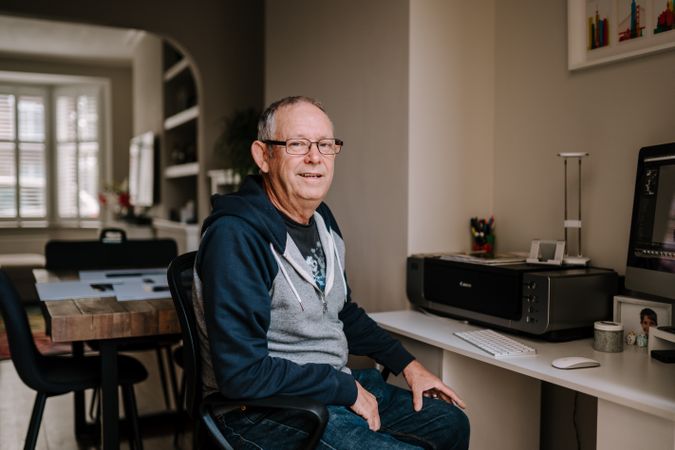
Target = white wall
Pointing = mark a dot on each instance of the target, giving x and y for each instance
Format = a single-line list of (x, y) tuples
[(542, 109), (451, 122), (353, 56)]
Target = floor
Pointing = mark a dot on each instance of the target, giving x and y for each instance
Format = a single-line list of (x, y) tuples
[(56, 431)]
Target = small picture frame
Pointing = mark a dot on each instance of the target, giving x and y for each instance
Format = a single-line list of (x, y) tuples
[(637, 315), (546, 252)]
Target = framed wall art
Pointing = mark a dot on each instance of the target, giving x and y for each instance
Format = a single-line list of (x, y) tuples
[(603, 31)]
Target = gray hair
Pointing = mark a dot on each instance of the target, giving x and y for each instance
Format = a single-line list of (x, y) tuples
[(266, 123)]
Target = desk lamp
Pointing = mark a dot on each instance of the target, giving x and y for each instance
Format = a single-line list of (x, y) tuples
[(568, 223)]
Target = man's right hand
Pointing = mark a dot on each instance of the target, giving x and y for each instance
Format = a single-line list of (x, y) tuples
[(366, 407)]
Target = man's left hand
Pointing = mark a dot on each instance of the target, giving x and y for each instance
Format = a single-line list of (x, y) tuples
[(424, 383)]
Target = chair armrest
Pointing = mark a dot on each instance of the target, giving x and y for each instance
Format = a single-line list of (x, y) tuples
[(315, 409)]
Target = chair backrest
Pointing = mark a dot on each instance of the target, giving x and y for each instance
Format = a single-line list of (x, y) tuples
[(180, 278), (25, 355), (111, 251)]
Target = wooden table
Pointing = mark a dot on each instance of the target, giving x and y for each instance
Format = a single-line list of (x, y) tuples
[(109, 322)]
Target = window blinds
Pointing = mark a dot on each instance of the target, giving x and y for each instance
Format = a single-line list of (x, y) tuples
[(26, 147), (23, 169), (77, 149)]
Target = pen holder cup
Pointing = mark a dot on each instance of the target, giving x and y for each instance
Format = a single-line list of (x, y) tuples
[(488, 246), (483, 235)]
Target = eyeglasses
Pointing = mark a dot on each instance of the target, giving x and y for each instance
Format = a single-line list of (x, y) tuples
[(299, 146)]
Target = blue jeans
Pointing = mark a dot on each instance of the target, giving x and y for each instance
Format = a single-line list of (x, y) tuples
[(438, 425)]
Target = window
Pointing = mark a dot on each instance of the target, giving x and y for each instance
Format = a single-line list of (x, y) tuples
[(23, 168), (77, 153), (32, 192)]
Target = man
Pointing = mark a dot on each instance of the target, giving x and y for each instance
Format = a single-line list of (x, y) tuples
[(277, 310)]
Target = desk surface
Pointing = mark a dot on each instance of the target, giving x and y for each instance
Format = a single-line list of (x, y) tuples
[(106, 318), (630, 378)]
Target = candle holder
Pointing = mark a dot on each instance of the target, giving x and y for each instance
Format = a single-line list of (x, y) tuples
[(573, 225)]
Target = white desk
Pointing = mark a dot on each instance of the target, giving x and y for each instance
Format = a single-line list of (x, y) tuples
[(636, 394)]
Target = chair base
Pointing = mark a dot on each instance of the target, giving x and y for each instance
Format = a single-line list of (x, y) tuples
[(130, 424)]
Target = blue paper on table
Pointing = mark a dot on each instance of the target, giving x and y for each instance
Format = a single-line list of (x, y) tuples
[(68, 290), (146, 287), (121, 273)]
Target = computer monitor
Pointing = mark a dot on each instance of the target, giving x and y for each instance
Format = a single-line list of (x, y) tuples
[(651, 249), (142, 168)]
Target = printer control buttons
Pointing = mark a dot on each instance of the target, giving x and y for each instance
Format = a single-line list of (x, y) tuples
[(531, 298), (531, 285)]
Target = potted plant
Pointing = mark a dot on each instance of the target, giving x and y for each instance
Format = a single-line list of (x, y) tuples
[(233, 146)]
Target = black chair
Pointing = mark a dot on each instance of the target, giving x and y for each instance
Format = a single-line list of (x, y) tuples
[(112, 250), (56, 375), (202, 409)]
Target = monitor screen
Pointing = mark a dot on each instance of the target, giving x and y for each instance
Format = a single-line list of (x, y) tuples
[(142, 170), (651, 249)]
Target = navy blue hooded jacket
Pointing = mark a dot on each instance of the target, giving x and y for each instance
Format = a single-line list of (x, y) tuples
[(244, 274)]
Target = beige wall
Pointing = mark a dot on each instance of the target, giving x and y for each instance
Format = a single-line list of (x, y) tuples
[(542, 109), (359, 71), (415, 105), (451, 122)]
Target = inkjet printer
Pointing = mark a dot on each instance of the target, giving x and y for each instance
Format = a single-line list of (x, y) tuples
[(552, 302)]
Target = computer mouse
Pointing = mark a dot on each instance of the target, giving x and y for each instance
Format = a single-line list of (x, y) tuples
[(574, 362)]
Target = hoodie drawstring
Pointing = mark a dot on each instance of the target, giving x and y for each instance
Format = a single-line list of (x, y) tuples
[(288, 278), (337, 258)]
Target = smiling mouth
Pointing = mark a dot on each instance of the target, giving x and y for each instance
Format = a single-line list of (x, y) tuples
[(311, 175)]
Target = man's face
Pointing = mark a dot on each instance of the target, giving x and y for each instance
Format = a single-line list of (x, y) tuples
[(300, 182)]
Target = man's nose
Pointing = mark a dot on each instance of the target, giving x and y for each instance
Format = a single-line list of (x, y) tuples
[(314, 155)]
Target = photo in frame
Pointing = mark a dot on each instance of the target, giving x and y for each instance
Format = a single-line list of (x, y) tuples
[(603, 31), (637, 315)]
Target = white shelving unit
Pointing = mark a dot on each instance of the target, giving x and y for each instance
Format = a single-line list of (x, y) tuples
[(185, 235), (180, 146), (176, 69), (223, 180), (181, 118), (182, 170)]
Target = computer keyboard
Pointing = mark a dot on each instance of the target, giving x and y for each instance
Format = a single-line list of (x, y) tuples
[(495, 344)]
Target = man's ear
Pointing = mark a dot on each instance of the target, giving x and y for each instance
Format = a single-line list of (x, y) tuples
[(260, 156)]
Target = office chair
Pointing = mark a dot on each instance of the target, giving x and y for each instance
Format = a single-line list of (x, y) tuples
[(114, 251), (56, 375), (201, 410)]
